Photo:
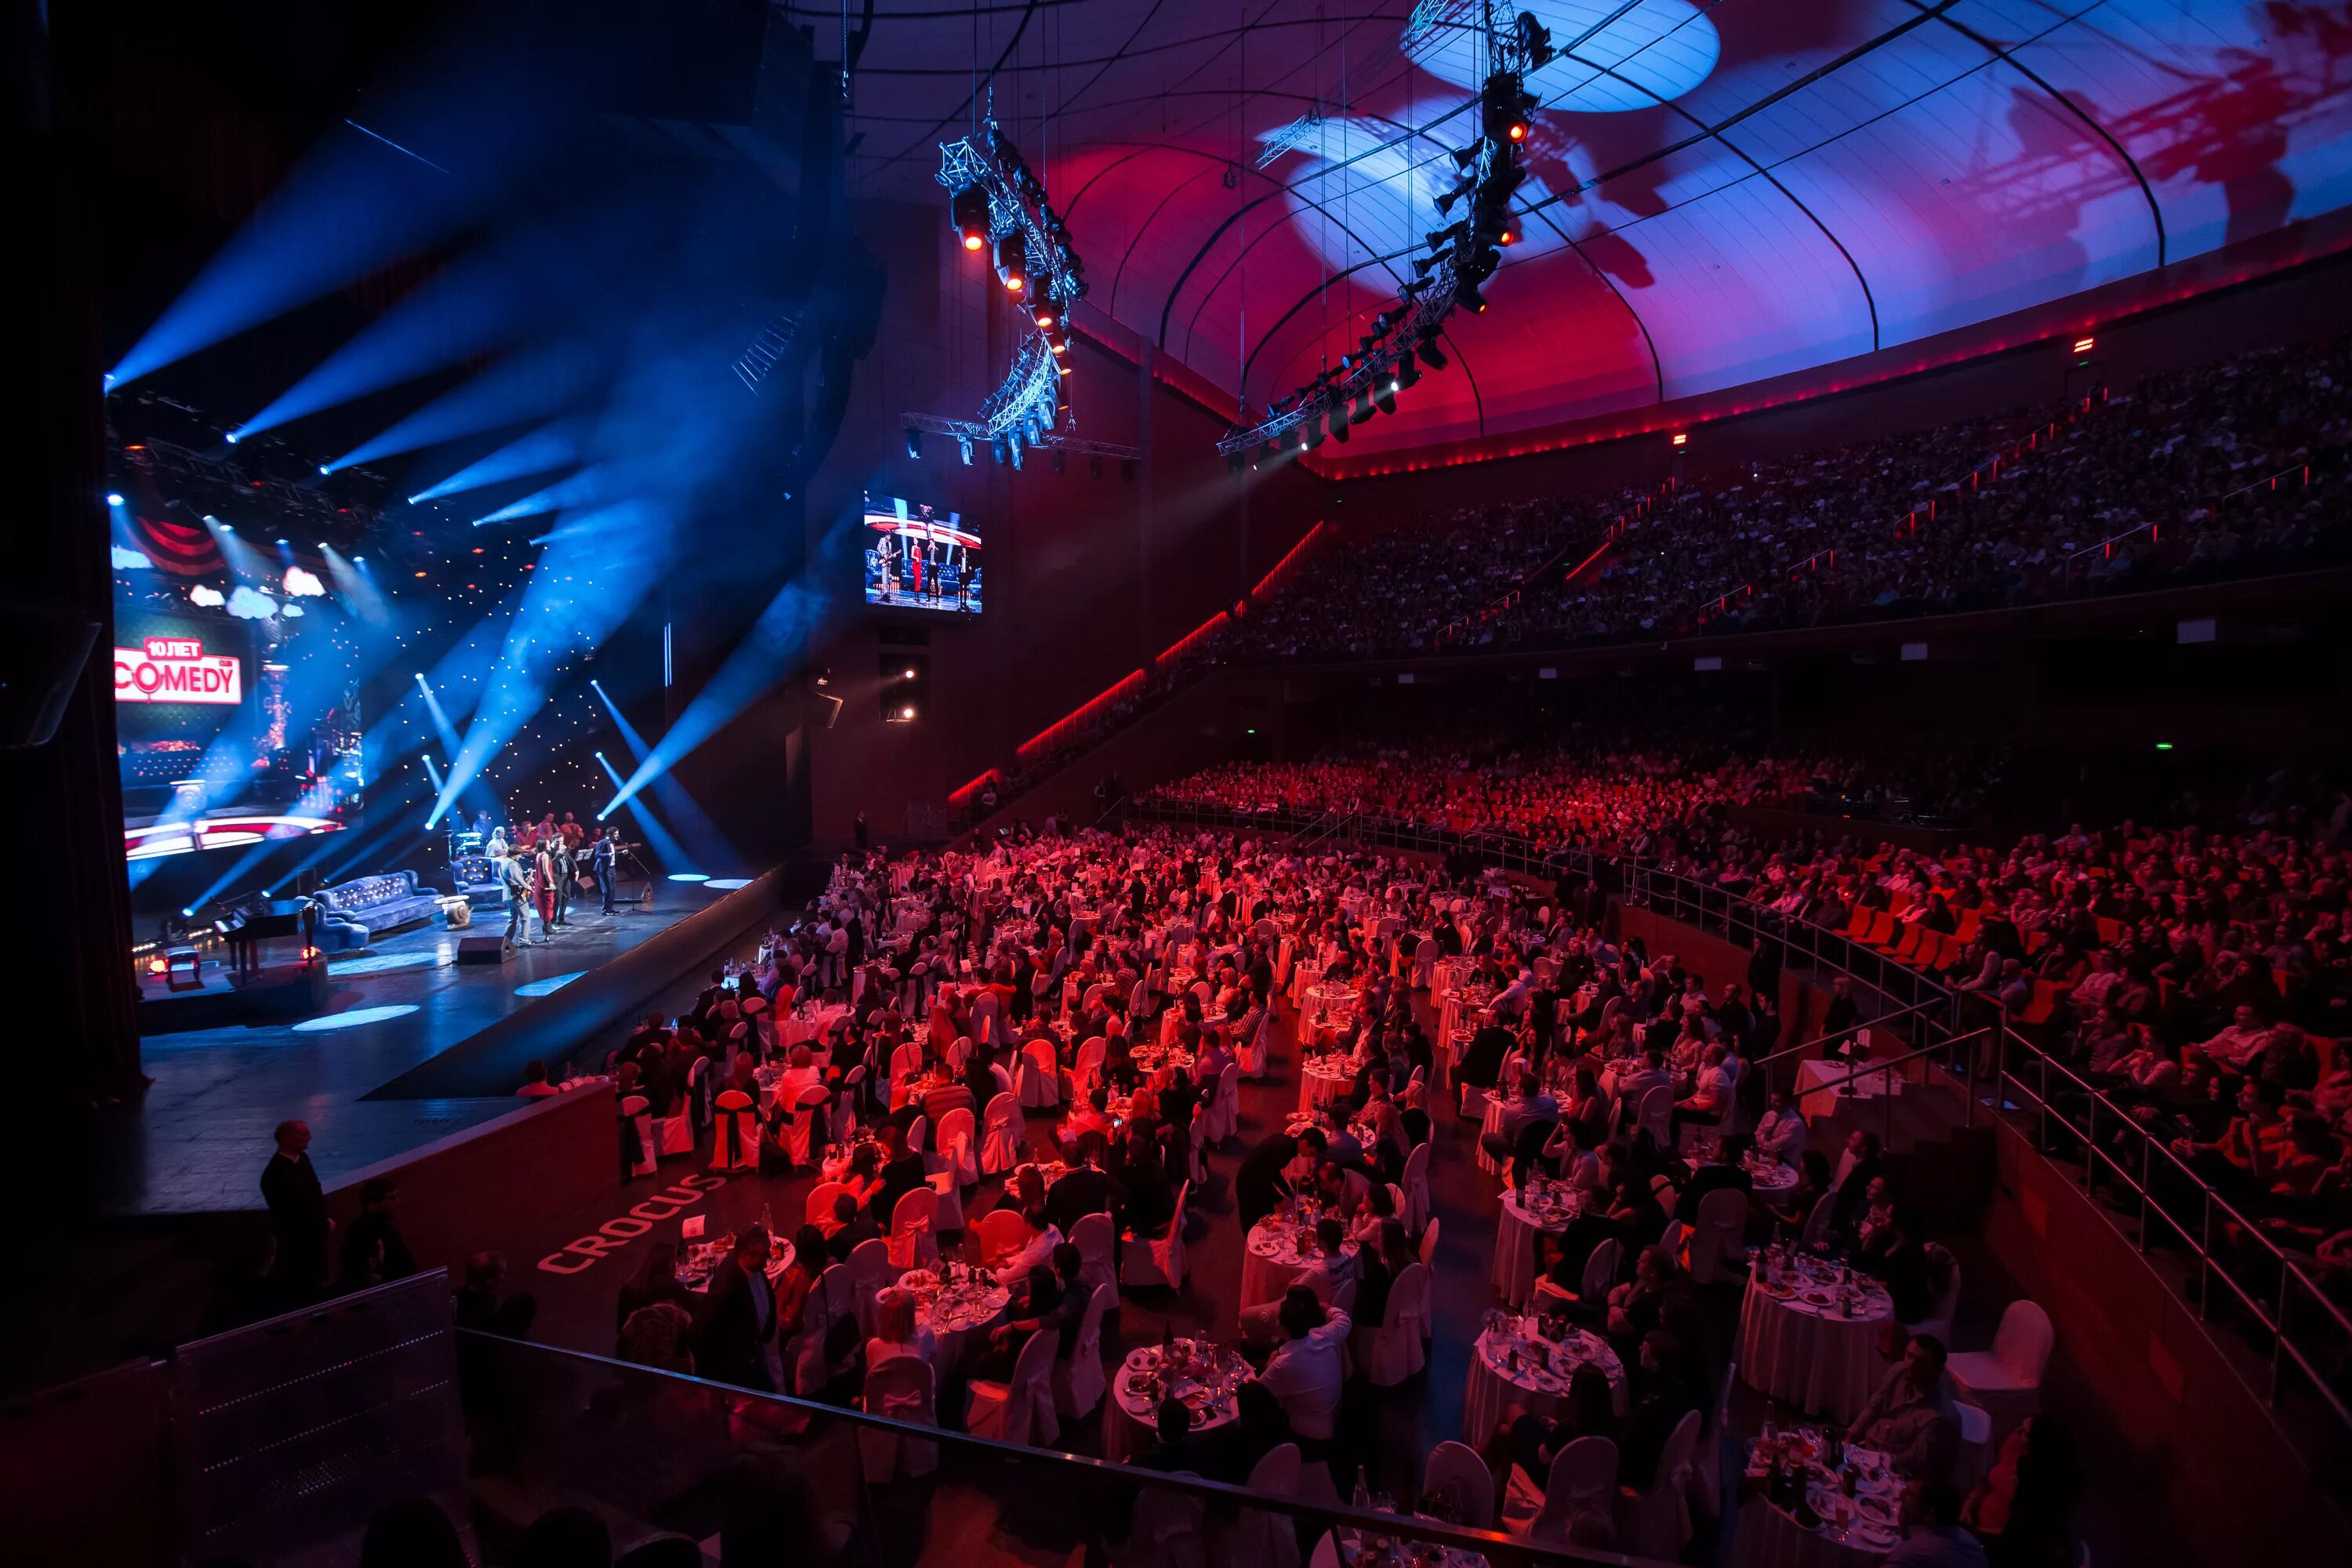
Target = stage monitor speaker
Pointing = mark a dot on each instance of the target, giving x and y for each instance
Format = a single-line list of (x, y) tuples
[(483, 949)]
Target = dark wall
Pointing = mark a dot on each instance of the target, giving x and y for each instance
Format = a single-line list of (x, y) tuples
[(1086, 578), (2307, 302)]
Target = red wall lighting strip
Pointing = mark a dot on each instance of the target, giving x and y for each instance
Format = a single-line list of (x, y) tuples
[(1079, 716)]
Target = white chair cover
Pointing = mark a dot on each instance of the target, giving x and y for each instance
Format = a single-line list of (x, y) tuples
[(1095, 1239), (1169, 1530), (1416, 1208), (1657, 1522), (1225, 1116), (1000, 1140), (1706, 1466), (2006, 1380), (1157, 1260), (635, 1109), (958, 1145), (1088, 1065), (1001, 1231), (1583, 1476), (901, 1388), (800, 1128), (912, 1243), (1021, 1411), (1457, 1469), (819, 1208), (1259, 1537), (869, 1271), (844, 1102), (1252, 1054), (1817, 1223), (1717, 1240), (1393, 1348), (1428, 1243), (736, 1144), (804, 1351), (919, 1133), (1937, 1323), (949, 1192), (1038, 1074), (1078, 1376)]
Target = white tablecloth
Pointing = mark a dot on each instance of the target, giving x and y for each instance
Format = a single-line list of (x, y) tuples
[(1270, 1260), (1515, 1249), (1318, 1087), (1772, 1180), (950, 1329), (1130, 1424), (1492, 1125), (1808, 1356), (1493, 1386), (1305, 977), (1769, 1536), (1815, 1102)]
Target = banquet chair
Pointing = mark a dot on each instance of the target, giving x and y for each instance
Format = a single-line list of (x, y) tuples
[(999, 1139), (805, 1373), (1078, 1376), (2006, 1380), (1657, 1115), (675, 1134), (1657, 1522), (800, 1126), (987, 1025), (1225, 1112), (1391, 1351), (1157, 1260), (1706, 1465), (638, 1134), (1256, 1536), (869, 1273), (908, 1058), (1088, 1066), (1205, 991), (1000, 1232), (912, 1244), (956, 1144), (1715, 1241), (940, 1172), (1583, 1476), (1938, 1321), (1456, 1470), (1846, 1163), (1167, 1530), (958, 1053), (1414, 1211), (1968, 1461), (736, 1144), (1429, 1243), (1817, 1223), (697, 1091), (1094, 1238), (1037, 1075), (844, 1102), (919, 1133), (1020, 1411), (820, 1202), (900, 1387), (1600, 1274)]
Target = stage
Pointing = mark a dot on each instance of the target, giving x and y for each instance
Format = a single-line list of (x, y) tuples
[(196, 1140)]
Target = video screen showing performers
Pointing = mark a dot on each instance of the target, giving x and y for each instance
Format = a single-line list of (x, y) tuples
[(916, 559), (230, 728)]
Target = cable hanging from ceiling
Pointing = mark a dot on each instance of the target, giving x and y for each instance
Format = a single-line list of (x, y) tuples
[(1462, 256)]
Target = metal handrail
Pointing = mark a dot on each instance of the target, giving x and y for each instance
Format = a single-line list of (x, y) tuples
[(1843, 1034), (1503, 1548)]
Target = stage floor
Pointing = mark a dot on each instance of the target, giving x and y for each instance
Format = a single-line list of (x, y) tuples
[(197, 1139)]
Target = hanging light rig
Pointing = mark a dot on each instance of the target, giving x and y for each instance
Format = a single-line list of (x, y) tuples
[(998, 210), (1462, 256)]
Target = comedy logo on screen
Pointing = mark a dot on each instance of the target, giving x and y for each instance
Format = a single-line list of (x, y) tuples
[(177, 669)]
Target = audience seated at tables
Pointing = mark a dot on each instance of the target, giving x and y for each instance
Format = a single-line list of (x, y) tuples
[(1911, 1418), (1304, 1372)]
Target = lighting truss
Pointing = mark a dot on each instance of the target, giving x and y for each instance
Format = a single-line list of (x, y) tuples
[(1028, 406), (1463, 254), (766, 350), (1302, 133)]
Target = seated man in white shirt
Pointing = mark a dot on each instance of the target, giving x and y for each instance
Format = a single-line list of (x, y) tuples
[(1036, 1249), (1782, 1134), (1304, 1373), (802, 1074), (1331, 1267), (2240, 1041)]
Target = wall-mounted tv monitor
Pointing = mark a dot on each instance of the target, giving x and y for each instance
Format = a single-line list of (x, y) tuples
[(920, 558)]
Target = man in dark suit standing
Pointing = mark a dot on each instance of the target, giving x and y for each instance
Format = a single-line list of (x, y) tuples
[(735, 1332), (298, 1218), (1088, 1189)]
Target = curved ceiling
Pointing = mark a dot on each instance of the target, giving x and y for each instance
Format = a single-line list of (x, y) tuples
[(1720, 192)]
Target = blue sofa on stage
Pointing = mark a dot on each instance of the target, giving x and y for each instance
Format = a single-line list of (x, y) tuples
[(477, 880), (379, 904)]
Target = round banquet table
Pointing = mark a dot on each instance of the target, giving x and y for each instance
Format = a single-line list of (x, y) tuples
[(1492, 1125), (1515, 1242), (1319, 1085), (1814, 1101), (1130, 1416), (1270, 1258), (968, 1307), (1813, 1356), (1494, 1385), (1303, 979), (1333, 1004), (700, 1257), (1769, 1536), (1771, 1178)]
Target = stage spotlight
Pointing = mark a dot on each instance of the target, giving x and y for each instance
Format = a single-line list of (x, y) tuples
[(1339, 431), (1466, 296), (233, 438), (1504, 108), (996, 449), (905, 713), (963, 445), (211, 522), (1431, 355), (915, 445), (1465, 156), (968, 211), (114, 498), (1363, 409), (1013, 262), (1408, 372), (324, 470), (1386, 401), (1233, 462)]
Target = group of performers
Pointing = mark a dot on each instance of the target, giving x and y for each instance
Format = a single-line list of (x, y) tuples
[(544, 865), (930, 570)]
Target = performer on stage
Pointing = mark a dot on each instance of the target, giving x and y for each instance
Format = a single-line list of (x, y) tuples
[(543, 884), (517, 881), (559, 853), (604, 857)]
